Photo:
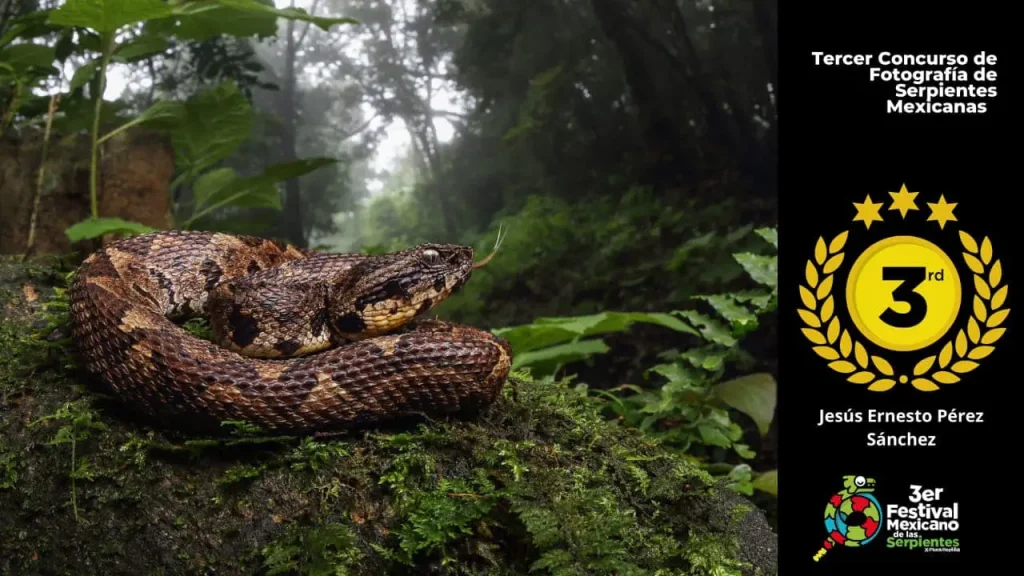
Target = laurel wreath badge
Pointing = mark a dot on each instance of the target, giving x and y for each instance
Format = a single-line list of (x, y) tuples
[(960, 354)]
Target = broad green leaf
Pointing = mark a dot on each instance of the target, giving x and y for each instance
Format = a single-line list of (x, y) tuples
[(207, 23), (210, 183), (744, 451), (709, 358), (712, 435), (666, 320), (215, 124), (203, 19), (21, 56), (140, 48), (107, 16), (767, 481), (562, 354), (711, 330), (739, 317), (164, 113), (761, 301), (534, 336), (673, 373), (77, 114), (770, 235), (85, 73), (753, 395), (550, 331), (321, 22), (606, 322), (253, 192), (763, 269), (96, 227), (31, 25), (288, 170)]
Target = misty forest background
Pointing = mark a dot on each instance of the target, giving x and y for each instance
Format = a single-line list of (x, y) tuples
[(626, 150)]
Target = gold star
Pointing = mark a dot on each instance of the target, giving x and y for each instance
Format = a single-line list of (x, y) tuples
[(942, 212), (867, 212), (903, 201)]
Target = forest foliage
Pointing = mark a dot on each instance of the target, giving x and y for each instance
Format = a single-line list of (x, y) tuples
[(627, 149)]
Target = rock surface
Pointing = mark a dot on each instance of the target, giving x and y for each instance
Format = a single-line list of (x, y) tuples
[(540, 480)]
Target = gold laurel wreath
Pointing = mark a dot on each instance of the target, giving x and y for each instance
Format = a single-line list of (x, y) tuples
[(970, 345)]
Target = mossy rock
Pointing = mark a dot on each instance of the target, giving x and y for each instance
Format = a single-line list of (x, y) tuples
[(539, 483)]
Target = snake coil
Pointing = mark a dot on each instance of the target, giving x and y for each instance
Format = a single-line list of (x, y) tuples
[(304, 341)]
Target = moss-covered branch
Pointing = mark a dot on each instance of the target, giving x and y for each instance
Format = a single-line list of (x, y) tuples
[(540, 481)]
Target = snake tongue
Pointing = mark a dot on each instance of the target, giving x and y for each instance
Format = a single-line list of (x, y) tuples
[(482, 263)]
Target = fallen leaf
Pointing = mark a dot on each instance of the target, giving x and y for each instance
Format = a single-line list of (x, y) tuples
[(30, 293)]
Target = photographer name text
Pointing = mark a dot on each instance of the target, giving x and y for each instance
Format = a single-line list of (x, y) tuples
[(906, 439)]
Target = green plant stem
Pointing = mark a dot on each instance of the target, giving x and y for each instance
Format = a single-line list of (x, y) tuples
[(74, 497), (120, 129), (101, 74), (211, 208)]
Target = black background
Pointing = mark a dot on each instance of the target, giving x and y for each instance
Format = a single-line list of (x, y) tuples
[(839, 144)]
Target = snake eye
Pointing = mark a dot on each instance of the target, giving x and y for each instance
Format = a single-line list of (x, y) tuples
[(859, 481), (431, 256)]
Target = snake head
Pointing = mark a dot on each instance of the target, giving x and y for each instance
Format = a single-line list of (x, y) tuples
[(385, 292), (858, 484)]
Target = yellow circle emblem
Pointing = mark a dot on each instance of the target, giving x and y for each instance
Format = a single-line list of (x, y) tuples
[(903, 293)]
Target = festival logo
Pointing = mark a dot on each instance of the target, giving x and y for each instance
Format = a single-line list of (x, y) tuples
[(903, 297), (853, 516), (927, 521)]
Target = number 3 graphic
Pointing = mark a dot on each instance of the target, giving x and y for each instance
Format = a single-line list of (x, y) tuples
[(909, 277)]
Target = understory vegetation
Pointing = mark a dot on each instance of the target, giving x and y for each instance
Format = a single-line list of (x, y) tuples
[(542, 481), (623, 151)]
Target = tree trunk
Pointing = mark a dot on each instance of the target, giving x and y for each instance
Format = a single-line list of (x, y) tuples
[(294, 229)]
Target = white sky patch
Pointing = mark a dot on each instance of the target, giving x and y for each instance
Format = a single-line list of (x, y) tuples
[(393, 145)]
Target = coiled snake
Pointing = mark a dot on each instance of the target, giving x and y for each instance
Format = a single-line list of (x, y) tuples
[(305, 341)]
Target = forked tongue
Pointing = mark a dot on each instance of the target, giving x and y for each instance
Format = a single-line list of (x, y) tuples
[(494, 252)]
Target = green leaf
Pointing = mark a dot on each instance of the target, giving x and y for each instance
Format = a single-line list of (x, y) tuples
[(553, 356), (741, 318), (31, 25), (711, 330), (770, 235), (252, 192), (666, 320), (203, 19), (164, 113), (108, 16), (140, 48), (215, 124), (22, 56), (96, 227), (753, 395), (253, 6), (712, 435), (744, 451), (209, 184), (767, 481), (763, 269), (85, 73), (288, 170), (533, 336)]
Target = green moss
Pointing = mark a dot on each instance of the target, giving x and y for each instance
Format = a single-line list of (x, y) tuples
[(540, 483)]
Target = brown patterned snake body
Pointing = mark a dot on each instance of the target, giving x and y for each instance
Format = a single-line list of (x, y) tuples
[(305, 341)]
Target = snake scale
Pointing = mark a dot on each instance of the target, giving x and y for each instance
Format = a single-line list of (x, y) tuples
[(302, 341)]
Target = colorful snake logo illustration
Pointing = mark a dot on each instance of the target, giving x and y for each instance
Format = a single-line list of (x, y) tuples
[(853, 516)]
